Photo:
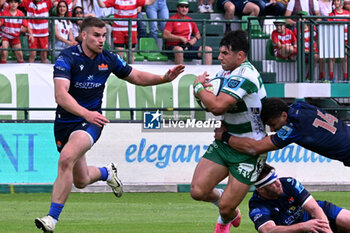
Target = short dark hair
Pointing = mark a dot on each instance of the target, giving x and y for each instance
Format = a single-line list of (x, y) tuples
[(236, 41), (265, 171), (92, 22), (272, 108)]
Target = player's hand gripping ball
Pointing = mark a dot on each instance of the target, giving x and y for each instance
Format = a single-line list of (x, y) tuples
[(215, 87)]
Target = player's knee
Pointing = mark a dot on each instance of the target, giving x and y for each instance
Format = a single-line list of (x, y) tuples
[(197, 193), (80, 184), (225, 209), (65, 163)]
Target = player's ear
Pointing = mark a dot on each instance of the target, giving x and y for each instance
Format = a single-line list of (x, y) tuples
[(83, 34), (284, 116), (241, 55)]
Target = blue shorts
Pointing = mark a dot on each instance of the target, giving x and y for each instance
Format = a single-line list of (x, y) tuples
[(186, 55), (63, 131), (331, 212), (239, 5)]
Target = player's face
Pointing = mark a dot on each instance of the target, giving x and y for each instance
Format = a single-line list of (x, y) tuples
[(229, 60), (272, 191), (93, 40), (277, 122)]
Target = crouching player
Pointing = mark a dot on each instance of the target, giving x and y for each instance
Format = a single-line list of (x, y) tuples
[(284, 205)]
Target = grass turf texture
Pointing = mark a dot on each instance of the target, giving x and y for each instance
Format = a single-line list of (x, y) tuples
[(134, 212)]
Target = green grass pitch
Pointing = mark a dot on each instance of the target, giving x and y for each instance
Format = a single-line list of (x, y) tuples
[(133, 212)]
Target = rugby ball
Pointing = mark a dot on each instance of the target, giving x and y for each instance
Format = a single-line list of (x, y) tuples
[(216, 85)]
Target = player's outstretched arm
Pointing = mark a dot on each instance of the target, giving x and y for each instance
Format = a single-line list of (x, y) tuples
[(66, 101), (314, 226), (142, 78), (246, 145)]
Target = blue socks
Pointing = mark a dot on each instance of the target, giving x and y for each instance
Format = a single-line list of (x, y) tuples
[(104, 173), (55, 210)]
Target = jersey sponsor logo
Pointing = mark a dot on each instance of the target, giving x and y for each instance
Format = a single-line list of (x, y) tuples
[(61, 64), (90, 78), (60, 68), (233, 83), (298, 186), (284, 132), (103, 67), (245, 169), (58, 144), (241, 71), (256, 217), (87, 85)]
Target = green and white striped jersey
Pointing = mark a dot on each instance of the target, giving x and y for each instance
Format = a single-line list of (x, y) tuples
[(244, 84)]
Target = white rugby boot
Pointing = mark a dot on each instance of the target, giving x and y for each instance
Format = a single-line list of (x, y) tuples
[(46, 224), (114, 182)]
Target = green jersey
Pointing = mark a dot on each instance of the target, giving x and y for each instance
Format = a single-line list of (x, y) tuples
[(244, 84)]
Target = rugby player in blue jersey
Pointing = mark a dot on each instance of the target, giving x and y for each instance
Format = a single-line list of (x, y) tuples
[(301, 123), (284, 205), (80, 74)]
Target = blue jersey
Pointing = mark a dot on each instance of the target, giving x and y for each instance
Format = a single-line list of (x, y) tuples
[(87, 78), (315, 130), (286, 210)]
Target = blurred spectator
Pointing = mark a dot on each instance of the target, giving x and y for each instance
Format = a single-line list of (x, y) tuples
[(158, 10), (71, 4), (124, 10), (92, 8), (325, 7), (284, 2), (11, 29), (295, 6), (346, 5), (3, 5), (178, 36), (205, 8), (284, 41), (40, 27), (141, 25), (270, 7), (238, 8), (78, 12), (307, 46), (338, 11), (63, 29), (89, 7)]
